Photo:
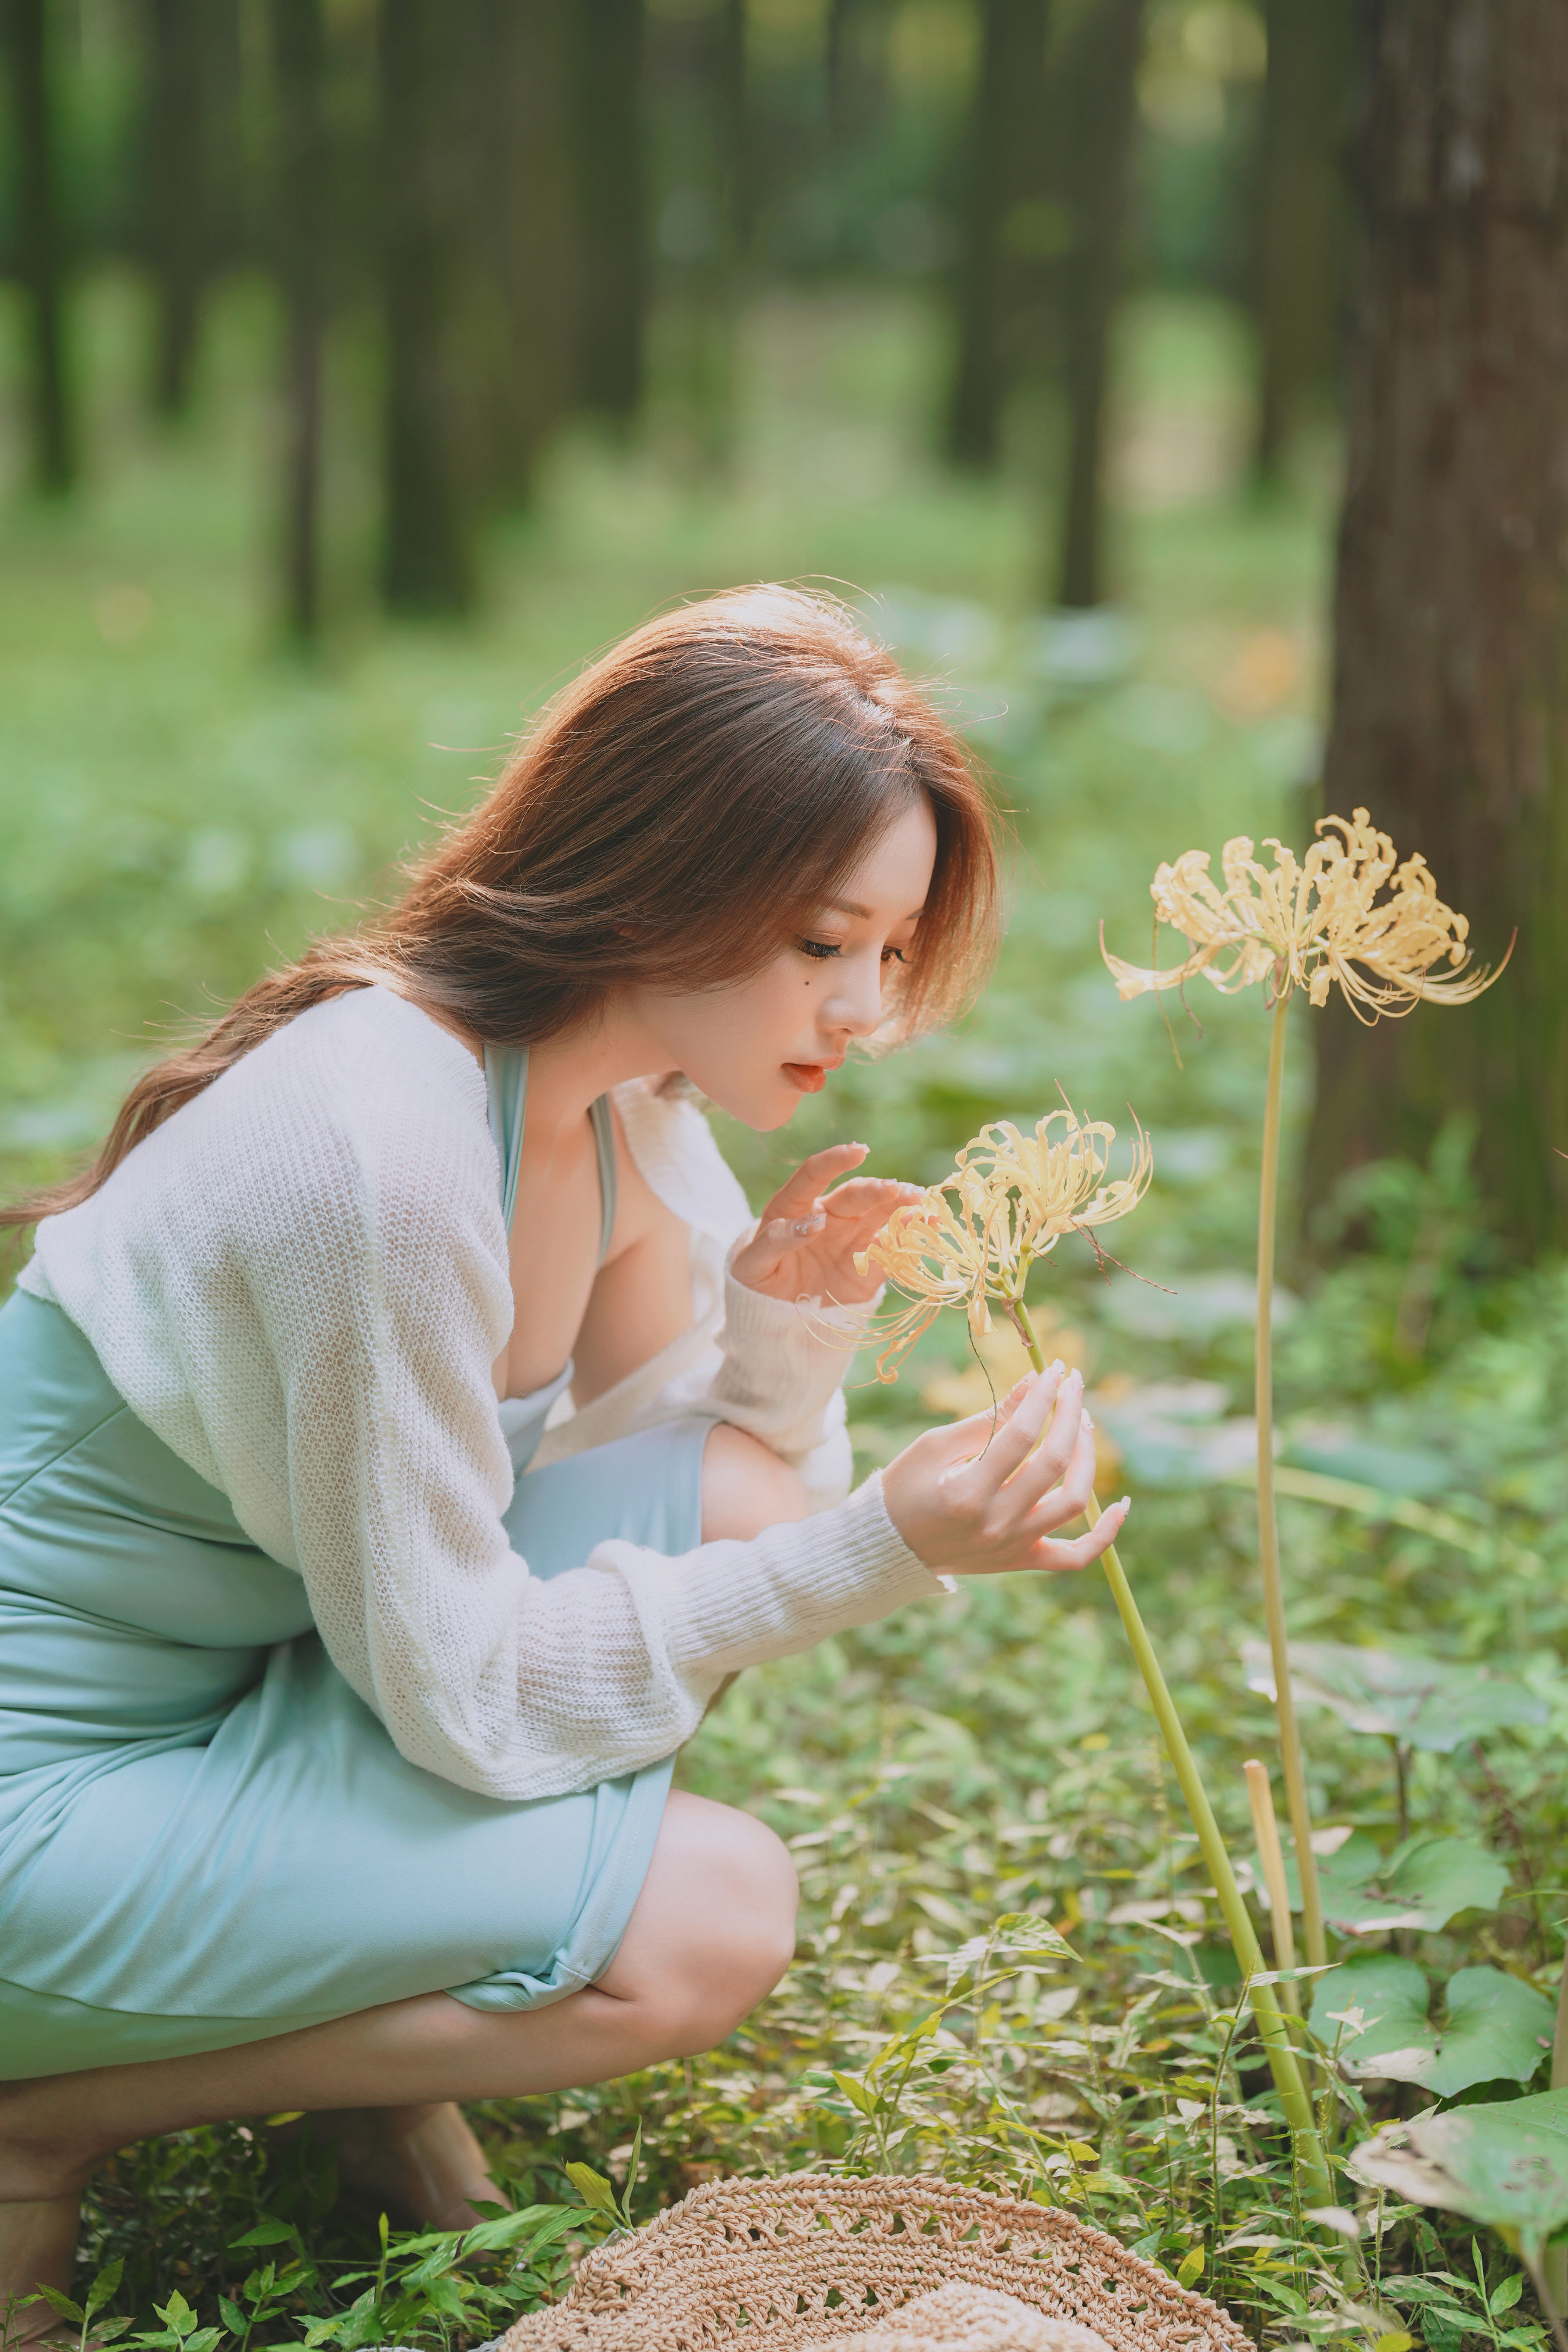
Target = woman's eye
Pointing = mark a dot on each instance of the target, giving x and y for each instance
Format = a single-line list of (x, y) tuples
[(819, 948), (894, 955)]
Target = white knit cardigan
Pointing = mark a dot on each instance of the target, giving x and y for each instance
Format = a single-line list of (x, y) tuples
[(301, 1284)]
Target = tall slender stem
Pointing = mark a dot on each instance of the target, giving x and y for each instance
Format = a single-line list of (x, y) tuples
[(1555, 2259), (1283, 2064), (1265, 1829), (1267, 1520)]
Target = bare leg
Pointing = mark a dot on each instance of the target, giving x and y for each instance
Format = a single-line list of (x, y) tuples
[(422, 2162), (712, 1932), (746, 1488), (425, 2160)]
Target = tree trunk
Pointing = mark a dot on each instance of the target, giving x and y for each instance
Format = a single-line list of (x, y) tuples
[(697, 98), (1103, 69), (177, 194), (524, 312), (612, 204), (1300, 226), (854, 70), (425, 559), (1005, 126), (299, 42), (1450, 709), (40, 244)]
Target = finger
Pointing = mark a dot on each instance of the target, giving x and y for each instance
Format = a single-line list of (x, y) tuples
[(1051, 1553), (855, 1223), (1062, 1504), (956, 1442), (1013, 1437), (778, 1239), (1049, 1463), (811, 1176), (782, 1236), (872, 1196)]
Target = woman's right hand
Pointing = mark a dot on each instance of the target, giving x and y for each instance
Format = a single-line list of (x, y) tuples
[(983, 1497)]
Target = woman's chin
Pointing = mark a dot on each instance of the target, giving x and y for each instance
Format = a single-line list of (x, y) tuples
[(760, 1108)]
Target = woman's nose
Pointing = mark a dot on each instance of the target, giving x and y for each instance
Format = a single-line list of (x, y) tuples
[(856, 1003)]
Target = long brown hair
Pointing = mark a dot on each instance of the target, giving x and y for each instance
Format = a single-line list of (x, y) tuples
[(670, 820)]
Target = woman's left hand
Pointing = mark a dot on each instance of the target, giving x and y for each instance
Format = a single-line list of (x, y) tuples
[(805, 1243)]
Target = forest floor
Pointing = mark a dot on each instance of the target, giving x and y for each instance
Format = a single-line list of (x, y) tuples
[(179, 802)]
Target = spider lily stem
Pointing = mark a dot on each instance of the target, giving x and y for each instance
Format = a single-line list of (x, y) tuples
[(1283, 2063), (1555, 2259), (1291, 1750)]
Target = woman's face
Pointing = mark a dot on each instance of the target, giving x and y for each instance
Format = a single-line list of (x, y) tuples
[(756, 1048)]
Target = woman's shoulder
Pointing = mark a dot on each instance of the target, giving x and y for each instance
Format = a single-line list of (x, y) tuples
[(372, 1032), (366, 1063), (358, 1107)]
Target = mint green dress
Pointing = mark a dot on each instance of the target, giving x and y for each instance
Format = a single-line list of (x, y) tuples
[(205, 1836)]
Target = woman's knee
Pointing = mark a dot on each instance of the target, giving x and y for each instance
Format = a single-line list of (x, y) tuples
[(714, 1929), (746, 1488)]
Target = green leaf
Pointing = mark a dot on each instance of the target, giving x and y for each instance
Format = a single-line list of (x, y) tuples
[(596, 2192), (1496, 2027), (1392, 1995), (268, 2232), (1438, 1877), (1504, 2298), (1423, 1884), (231, 2315), (177, 2313), (1505, 2164), (1420, 1702), (57, 2301), (360, 2323), (105, 2287), (529, 2229), (858, 2096), (446, 2295), (1191, 2266)]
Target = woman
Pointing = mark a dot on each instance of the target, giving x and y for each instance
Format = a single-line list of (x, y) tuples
[(403, 1432)]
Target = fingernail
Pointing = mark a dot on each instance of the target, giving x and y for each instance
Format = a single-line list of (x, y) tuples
[(1058, 1368), (1086, 1422), (804, 1226), (1126, 1504)]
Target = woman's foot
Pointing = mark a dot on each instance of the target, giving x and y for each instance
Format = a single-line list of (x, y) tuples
[(37, 2239), (422, 2162)]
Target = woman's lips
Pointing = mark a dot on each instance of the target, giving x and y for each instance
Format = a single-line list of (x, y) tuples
[(809, 1077)]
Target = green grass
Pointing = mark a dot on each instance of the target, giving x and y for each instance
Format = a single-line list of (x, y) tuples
[(179, 803)]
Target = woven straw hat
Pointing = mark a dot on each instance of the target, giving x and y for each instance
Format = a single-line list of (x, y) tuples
[(959, 2318), (815, 2260)]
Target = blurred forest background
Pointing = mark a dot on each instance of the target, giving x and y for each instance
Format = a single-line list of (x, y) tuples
[(324, 318), (1179, 385)]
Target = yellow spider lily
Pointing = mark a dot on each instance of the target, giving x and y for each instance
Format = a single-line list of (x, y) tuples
[(972, 1238), (1316, 923)]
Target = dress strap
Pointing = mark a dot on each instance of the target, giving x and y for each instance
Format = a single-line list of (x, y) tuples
[(506, 1087), (604, 1120)]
